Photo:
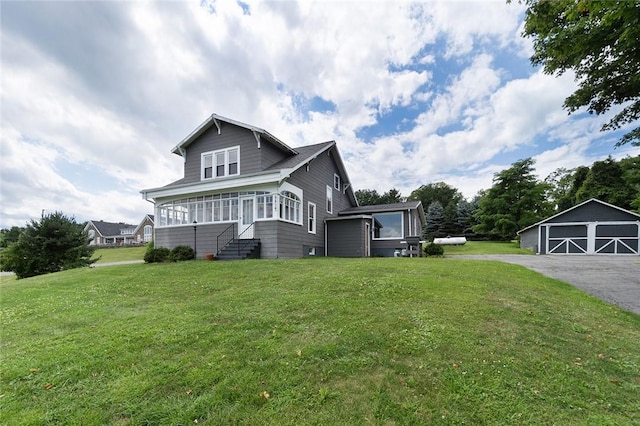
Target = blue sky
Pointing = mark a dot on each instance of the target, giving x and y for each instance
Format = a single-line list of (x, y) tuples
[(95, 94)]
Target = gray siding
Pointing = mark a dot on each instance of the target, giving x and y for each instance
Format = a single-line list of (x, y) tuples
[(313, 183), (593, 211), (206, 236), (529, 239), (346, 238), (252, 158)]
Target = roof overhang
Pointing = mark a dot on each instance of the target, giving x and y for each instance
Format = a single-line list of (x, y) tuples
[(216, 120), (591, 200), (276, 176)]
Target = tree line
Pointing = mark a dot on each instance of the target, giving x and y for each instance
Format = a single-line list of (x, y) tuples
[(517, 198)]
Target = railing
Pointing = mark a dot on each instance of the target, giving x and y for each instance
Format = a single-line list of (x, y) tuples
[(226, 236), (242, 243)]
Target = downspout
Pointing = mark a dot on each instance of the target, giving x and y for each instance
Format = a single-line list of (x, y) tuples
[(326, 246)]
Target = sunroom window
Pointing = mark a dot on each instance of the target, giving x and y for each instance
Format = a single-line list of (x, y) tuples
[(290, 206)]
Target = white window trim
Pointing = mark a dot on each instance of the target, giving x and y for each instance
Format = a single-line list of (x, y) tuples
[(329, 200), (312, 220), (336, 182), (213, 154)]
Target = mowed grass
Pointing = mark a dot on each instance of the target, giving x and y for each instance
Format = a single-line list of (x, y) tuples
[(120, 254), (314, 341), (486, 247)]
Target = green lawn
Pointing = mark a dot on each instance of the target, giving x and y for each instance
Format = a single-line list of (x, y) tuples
[(487, 247), (314, 341), (120, 254)]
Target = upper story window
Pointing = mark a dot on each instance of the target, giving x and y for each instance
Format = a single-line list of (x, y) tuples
[(388, 226), (222, 163), (329, 199), (91, 234), (336, 182)]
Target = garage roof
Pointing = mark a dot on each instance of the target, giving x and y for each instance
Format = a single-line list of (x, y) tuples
[(592, 200)]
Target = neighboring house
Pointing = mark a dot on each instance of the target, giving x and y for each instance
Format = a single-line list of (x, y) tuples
[(592, 227), (103, 233), (245, 190), (144, 231)]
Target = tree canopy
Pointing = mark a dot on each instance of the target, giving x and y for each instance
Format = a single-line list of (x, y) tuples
[(599, 41), (53, 244), (368, 197), (515, 201)]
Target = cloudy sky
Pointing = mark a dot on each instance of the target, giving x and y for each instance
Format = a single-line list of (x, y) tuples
[(95, 94)]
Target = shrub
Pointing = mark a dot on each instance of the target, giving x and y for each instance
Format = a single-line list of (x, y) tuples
[(55, 243), (181, 253), (433, 250), (159, 254)]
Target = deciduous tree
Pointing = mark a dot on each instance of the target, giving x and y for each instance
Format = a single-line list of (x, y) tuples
[(599, 41)]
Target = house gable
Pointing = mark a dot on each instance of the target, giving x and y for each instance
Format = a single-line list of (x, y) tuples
[(252, 158)]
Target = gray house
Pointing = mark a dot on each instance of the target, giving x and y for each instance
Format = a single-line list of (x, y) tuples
[(246, 193), (592, 227), (118, 233)]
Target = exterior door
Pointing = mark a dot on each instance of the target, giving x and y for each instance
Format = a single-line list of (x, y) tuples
[(245, 230)]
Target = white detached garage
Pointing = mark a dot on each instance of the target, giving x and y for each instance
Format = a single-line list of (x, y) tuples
[(592, 227)]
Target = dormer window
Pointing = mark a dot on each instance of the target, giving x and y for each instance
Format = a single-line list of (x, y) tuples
[(222, 163)]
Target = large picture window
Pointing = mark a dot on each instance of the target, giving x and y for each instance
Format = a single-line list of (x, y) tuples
[(388, 226), (222, 163)]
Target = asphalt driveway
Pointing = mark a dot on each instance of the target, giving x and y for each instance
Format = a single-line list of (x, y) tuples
[(614, 279)]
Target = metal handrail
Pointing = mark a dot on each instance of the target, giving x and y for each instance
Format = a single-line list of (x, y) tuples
[(225, 234), (246, 241)]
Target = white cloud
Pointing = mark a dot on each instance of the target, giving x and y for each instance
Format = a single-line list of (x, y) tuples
[(113, 86)]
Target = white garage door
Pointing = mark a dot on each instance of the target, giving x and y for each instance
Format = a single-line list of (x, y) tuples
[(593, 238)]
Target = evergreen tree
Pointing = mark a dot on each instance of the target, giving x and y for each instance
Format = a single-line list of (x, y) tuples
[(515, 201), (53, 244), (391, 196), (464, 217), (367, 197), (435, 222)]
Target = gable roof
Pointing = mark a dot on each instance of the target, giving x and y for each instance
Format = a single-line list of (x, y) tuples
[(107, 229), (144, 219), (591, 200), (215, 120)]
